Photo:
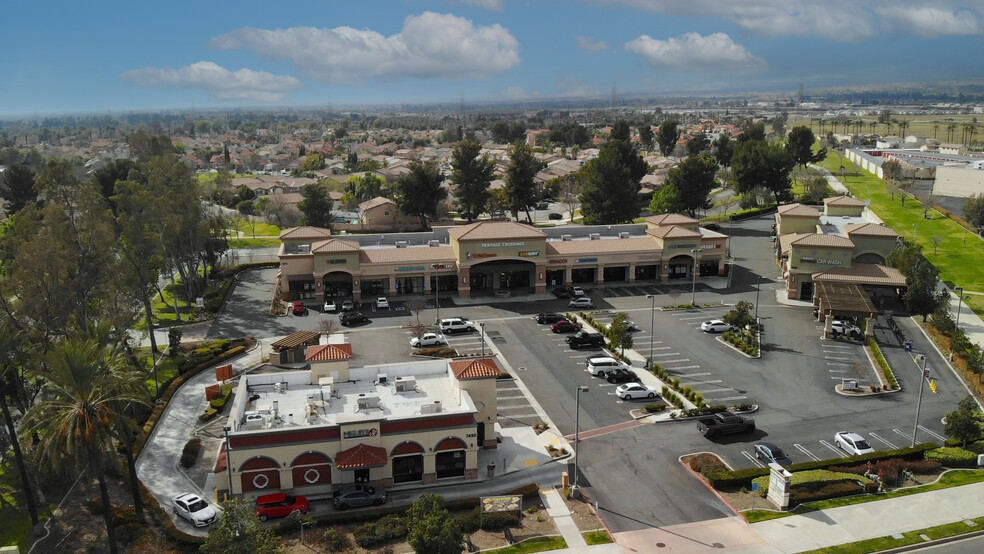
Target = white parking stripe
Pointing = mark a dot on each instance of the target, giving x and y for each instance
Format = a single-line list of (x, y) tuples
[(683, 367), (690, 375), (841, 359), (836, 450), (693, 317), (904, 435), (878, 437), (803, 449), (507, 397), (937, 435), (666, 354), (752, 458), (837, 363), (730, 398), (697, 383), (664, 362)]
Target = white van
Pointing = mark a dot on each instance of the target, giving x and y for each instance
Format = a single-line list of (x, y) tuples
[(456, 325), (602, 365)]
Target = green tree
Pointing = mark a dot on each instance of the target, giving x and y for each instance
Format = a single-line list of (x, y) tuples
[(694, 179), (799, 144), (471, 176), (568, 133), (906, 257), (724, 149), (815, 190), (316, 205), (144, 146), (17, 188), (741, 315), (666, 200), (85, 382), (667, 136), (646, 137), (432, 529), (698, 144), (964, 423), (13, 347), (612, 184), (761, 164), (519, 177), (620, 131), (618, 332), (419, 192), (752, 132), (973, 208), (366, 186), (921, 295), (313, 162), (107, 177), (239, 531)]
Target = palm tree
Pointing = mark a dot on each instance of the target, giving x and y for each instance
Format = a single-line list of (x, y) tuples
[(11, 346), (950, 129), (85, 384)]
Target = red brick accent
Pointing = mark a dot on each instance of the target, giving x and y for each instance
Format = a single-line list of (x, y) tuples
[(429, 478), (491, 444), (471, 473)]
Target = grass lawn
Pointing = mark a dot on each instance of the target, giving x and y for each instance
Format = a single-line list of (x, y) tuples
[(956, 250), (16, 528), (920, 125), (952, 478), (164, 311), (262, 229), (166, 369), (597, 537), (254, 243), (539, 544), (910, 537)]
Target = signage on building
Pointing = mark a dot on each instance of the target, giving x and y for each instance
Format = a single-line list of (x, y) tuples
[(529, 253), (710, 246), (557, 261), (411, 268), (334, 261), (648, 257), (360, 433), (480, 255), (442, 266), (586, 260), (492, 504), (684, 246), (821, 261), (502, 244)]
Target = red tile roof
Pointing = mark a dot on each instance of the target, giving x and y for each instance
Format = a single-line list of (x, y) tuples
[(865, 274), (673, 232), (486, 230), (671, 219), (329, 352), (475, 369), (843, 201), (869, 230), (306, 232), (823, 241), (361, 456), (797, 210), (335, 245)]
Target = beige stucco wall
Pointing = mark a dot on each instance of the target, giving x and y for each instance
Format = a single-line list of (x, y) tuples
[(470, 252), (853, 211), (483, 394), (292, 266), (880, 245), (818, 259), (328, 262), (789, 224)]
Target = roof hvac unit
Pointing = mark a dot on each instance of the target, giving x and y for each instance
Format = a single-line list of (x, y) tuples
[(253, 421), (401, 244), (623, 235), (433, 243), (566, 237), (595, 236), (368, 401), (406, 384), (434, 408)]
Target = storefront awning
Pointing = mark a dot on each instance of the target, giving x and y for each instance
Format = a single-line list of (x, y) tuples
[(361, 456), (843, 299)]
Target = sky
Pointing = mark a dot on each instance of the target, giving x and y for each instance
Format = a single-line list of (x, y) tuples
[(111, 55)]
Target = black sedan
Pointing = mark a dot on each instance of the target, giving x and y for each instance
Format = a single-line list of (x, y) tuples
[(554, 216), (549, 317), (353, 318), (561, 292), (621, 376)]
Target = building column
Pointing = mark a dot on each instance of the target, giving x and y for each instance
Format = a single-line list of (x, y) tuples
[(471, 464), (631, 275), (540, 278), (869, 327), (464, 286), (430, 469)]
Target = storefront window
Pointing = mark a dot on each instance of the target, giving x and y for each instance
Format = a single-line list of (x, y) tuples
[(450, 464), (409, 285), (375, 287)]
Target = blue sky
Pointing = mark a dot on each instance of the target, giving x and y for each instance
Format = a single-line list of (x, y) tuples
[(99, 55)]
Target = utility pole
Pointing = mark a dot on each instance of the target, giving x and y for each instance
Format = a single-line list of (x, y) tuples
[(922, 383)]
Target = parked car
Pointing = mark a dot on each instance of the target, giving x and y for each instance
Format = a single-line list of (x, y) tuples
[(382, 303), (712, 227), (193, 508), (455, 325), (564, 326), (427, 339), (852, 443), (714, 326), (561, 292), (542, 206), (331, 306), (584, 338), (348, 306), (297, 308), (577, 292), (548, 317), (554, 215), (599, 366), (630, 326), (621, 376), (768, 452), (353, 318), (841, 327), (725, 424), (580, 302), (363, 496), (630, 391), (279, 505)]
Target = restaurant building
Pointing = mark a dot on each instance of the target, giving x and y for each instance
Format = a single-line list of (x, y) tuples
[(488, 257)]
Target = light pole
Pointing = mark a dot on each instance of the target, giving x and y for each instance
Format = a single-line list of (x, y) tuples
[(758, 287), (959, 291), (577, 432), (922, 383), (482, 325), (693, 286), (652, 327), (731, 270), (226, 430)]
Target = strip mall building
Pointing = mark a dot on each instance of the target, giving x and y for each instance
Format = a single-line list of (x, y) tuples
[(491, 256)]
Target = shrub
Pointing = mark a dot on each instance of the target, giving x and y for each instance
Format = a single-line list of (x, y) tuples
[(653, 408), (130, 532), (376, 533), (95, 506), (292, 523), (953, 457), (831, 490), (189, 455), (706, 463), (336, 541), (744, 407)]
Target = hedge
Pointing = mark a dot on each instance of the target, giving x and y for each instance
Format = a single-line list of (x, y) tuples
[(883, 363), (189, 455), (378, 533), (743, 477), (953, 457), (816, 478)]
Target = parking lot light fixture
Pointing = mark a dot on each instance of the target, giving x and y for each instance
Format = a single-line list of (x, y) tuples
[(225, 430), (652, 327), (922, 382), (959, 291), (577, 432), (482, 325), (693, 286)]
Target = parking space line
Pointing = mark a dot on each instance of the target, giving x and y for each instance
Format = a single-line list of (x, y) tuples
[(836, 450), (662, 347), (697, 383), (803, 449), (666, 354), (937, 435), (504, 397), (664, 362), (690, 375), (840, 359), (681, 368), (837, 363), (889, 444), (730, 398), (752, 459), (900, 433), (835, 347)]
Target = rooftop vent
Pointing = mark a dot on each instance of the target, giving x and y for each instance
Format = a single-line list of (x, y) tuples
[(401, 244), (368, 401), (623, 235), (595, 236), (406, 384), (433, 243), (565, 237)]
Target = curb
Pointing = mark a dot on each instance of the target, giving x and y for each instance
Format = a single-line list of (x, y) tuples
[(709, 487)]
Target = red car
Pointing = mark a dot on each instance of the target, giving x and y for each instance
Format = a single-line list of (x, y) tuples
[(564, 326), (279, 505), (298, 308)]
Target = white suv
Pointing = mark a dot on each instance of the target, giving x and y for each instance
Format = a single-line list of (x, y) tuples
[(456, 325), (840, 327), (602, 365)]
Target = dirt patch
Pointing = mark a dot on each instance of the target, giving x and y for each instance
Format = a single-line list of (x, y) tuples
[(582, 512), (746, 500)]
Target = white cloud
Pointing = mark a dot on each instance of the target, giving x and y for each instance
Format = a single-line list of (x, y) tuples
[(429, 46), (221, 83), (930, 22), (518, 93), (494, 5), (591, 44), (694, 52), (838, 20), (576, 87)]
